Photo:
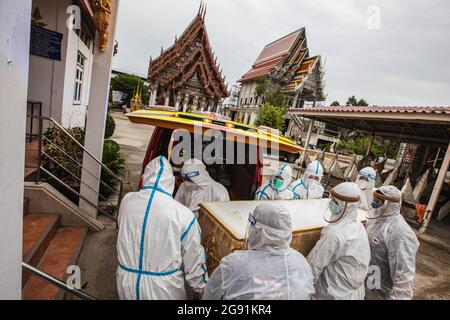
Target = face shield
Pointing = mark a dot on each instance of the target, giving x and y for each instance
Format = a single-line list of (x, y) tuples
[(337, 206), (187, 177), (366, 178), (379, 204), (251, 223), (363, 183)]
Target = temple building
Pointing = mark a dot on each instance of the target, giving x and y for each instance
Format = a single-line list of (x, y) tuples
[(186, 75), (285, 62)]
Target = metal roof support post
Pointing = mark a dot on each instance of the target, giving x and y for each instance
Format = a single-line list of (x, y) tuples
[(436, 191), (308, 138), (370, 145)]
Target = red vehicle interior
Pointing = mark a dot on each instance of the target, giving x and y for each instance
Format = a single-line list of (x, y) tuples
[(241, 180)]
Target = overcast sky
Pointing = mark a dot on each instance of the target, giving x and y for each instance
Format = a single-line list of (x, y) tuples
[(405, 62)]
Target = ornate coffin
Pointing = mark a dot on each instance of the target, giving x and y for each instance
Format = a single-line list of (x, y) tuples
[(224, 225)]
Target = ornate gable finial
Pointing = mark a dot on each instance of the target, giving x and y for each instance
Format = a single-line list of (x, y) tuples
[(151, 59), (200, 9), (204, 10), (162, 49), (176, 38)]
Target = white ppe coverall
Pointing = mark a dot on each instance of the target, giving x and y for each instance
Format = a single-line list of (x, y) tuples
[(159, 241), (307, 188), (393, 246), (201, 188), (269, 269), (270, 191), (340, 259), (366, 181)]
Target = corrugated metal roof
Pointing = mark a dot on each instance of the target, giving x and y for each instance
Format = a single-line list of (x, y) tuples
[(419, 124), (387, 109)]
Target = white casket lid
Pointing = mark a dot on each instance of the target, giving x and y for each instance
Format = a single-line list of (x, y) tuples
[(306, 215)]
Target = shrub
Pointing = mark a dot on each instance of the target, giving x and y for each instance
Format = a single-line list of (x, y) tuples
[(110, 126), (73, 153), (66, 152), (113, 159), (271, 116)]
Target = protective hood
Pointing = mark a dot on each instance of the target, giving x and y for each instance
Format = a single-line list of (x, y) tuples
[(159, 172), (194, 166), (366, 186), (285, 171), (270, 228), (313, 169), (371, 176), (391, 207)]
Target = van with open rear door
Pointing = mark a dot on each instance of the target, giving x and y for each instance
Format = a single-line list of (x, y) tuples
[(236, 161)]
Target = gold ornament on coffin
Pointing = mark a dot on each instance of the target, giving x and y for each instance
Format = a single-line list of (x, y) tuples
[(212, 249), (102, 12)]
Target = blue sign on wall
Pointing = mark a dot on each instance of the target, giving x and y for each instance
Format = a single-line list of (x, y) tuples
[(45, 43)]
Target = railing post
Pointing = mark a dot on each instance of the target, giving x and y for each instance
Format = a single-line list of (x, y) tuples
[(40, 134)]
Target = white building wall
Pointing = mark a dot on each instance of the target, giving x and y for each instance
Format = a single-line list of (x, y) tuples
[(14, 52), (53, 82), (74, 115)]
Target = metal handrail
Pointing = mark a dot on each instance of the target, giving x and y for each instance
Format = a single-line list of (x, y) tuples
[(78, 179), (43, 139), (76, 162), (56, 282), (79, 144), (77, 193)]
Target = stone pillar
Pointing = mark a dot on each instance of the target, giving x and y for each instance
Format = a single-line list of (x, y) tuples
[(195, 103), (96, 117), (14, 64), (167, 97), (294, 103), (203, 105), (186, 101), (154, 94), (178, 100)]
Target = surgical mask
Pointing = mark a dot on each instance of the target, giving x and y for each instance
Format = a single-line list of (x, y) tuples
[(362, 184), (278, 182), (335, 211)]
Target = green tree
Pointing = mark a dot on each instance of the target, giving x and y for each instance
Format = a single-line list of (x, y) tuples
[(353, 101), (335, 104), (127, 84), (271, 116), (262, 85), (272, 93), (360, 144)]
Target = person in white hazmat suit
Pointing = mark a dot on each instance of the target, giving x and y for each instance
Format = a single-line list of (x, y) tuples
[(158, 245), (309, 187), (278, 186), (366, 182), (268, 269), (198, 186), (340, 259), (393, 246)]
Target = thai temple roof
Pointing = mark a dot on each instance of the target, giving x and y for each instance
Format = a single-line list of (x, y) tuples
[(190, 57), (287, 61)]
